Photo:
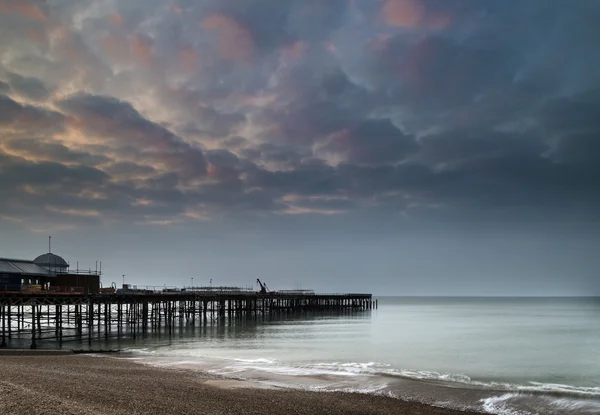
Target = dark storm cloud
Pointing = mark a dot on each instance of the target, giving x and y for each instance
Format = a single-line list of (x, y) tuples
[(234, 142), (521, 183), (55, 152), (52, 191), (267, 25), (19, 117), (28, 87), (373, 142), (438, 72), (311, 177), (582, 148), (126, 168), (272, 153), (208, 122), (200, 109), (119, 122), (574, 120), (47, 176), (458, 145), (113, 117), (572, 114)]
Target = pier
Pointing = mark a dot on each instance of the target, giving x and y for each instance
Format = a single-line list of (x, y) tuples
[(62, 317)]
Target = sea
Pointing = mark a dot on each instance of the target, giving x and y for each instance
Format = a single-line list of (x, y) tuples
[(506, 356)]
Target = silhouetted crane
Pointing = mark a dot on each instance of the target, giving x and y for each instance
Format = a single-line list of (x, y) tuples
[(263, 287)]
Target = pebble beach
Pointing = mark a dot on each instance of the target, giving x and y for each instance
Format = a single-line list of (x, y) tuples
[(80, 384)]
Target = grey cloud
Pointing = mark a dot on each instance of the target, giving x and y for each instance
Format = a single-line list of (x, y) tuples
[(17, 170), (574, 120), (314, 20), (437, 72), (581, 149), (4, 87), (55, 152), (459, 145), (126, 168), (312, 177), (324, 205), (234, 142), (118, 121), (272, 153), (29, 189), (210, 123), (572, 114), (28, 87), (21, 117), (373, 142), (224, 166)]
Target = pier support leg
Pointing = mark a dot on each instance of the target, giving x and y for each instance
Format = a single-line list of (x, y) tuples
[(9, 322), (33, 343), (60, 324), (90, 321), (3, 313)]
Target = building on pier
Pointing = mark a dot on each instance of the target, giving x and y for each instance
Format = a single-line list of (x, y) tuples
[(46, 273)]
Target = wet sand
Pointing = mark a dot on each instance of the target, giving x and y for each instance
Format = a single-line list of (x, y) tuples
[(78, 384)]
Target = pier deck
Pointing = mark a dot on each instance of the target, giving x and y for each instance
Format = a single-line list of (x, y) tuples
[(62, 317)]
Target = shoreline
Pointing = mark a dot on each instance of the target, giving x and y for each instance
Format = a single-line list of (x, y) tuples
[(85, 384)]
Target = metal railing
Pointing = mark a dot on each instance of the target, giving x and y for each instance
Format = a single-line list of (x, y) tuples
[(66, 290), (155, 289), (78, 272)]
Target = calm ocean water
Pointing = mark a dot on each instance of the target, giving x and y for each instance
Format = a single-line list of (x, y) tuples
[(504, 356)]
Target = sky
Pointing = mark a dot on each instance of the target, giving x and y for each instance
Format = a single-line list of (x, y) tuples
[(400, 147)]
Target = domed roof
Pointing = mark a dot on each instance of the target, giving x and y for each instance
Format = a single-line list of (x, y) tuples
[(51, 260)]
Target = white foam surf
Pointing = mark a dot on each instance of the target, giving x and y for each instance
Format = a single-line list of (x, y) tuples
[(501, 405), (501, 398), (457, 379)]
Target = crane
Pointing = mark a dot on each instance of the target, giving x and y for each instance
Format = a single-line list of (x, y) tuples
[(263, 287)]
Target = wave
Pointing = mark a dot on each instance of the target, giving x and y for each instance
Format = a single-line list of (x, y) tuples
[(500, 398), (349, 369), (453, 379), (259, 360), (500, 405), (508, 403)]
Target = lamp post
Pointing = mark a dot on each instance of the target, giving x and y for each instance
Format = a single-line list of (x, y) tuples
[(192, 283), (123, 280)]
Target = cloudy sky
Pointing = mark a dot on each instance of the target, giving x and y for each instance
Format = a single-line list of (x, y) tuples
[(387, 146)]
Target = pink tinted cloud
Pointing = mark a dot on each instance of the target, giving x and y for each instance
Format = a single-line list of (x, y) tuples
[(189, 59), (235, 40), (294, 51), (419, 56), (176, 9), (117, 47), (116, 19), (413, 14), (38, 35), (141, 49), (23, 8), (330, 46), (136, 48), (403, 13), (379, 43)]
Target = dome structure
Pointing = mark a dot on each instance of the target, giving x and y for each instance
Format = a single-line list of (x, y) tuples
[(52, 262)]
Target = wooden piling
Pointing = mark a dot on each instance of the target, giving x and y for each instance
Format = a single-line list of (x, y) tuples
[(137, 314)]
